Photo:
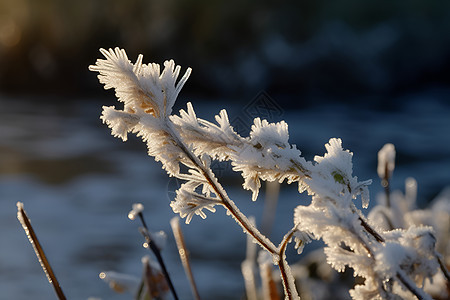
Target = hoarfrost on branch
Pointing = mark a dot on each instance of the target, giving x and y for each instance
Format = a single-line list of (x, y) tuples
[(392, 261)]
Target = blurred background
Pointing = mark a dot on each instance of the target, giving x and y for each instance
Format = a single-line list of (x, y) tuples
[(369, 72)]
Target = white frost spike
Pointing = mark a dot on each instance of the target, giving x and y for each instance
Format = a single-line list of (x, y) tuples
[(337, 159), (205, 136), (386, 161), (301, 238), (268, 134), (335, 178), (139, 85), (137, 209), (188, 204), (120, 122)]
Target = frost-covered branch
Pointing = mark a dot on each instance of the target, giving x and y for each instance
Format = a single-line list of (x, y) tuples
[(391, 261), (148, 96), (265, 155), (185, 145)]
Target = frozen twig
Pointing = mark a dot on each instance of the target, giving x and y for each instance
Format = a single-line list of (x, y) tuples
[(150, 244), (443, 268), (243, 221), (26, 224), (286, 275)]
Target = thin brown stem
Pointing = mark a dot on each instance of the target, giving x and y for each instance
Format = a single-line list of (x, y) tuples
[(26, 224), (366, 225), (152, 246), (371, 231), (286, 275), (443, 268), (182, 251)]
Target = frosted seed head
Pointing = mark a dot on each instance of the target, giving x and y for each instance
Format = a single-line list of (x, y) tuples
[(140, 85), (386, 161), (137, 208)]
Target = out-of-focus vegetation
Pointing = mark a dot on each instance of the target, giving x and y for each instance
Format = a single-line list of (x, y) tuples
[(339, 48)]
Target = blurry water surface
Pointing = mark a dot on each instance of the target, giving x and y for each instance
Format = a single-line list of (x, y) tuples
[(78, 183)]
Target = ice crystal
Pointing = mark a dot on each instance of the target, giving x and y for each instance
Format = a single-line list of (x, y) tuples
[(301, 239), (189, 203)]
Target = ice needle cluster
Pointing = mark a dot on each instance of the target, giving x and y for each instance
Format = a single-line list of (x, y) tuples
[(392, 262)]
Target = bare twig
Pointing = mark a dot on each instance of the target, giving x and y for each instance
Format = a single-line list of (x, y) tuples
[(154, 248), (182, 250), (443, 267), (26, 224)]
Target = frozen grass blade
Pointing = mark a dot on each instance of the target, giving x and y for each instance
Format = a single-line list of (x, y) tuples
[(26, 224), (152, 246), (182, 250), (248, 267), (150, 243)]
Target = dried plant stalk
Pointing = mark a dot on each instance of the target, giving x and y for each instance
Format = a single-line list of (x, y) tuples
[(29, 231), (183, 252), (248, 268)]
